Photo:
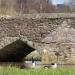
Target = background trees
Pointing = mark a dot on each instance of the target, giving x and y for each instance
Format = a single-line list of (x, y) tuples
[(34, 6)]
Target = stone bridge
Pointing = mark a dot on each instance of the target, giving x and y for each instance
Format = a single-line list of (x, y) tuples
[(28, 30)]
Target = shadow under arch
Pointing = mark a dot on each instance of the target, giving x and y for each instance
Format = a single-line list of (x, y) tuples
[(15, 52)]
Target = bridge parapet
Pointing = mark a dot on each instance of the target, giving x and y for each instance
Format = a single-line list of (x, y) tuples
[(35, 27), (47, 15)]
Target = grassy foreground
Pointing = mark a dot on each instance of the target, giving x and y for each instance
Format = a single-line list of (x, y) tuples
[(16, 71)]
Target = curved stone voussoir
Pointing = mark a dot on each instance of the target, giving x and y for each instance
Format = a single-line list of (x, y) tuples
[(8, 40)]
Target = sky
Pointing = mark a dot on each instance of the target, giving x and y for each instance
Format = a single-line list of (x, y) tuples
[(57, 2)]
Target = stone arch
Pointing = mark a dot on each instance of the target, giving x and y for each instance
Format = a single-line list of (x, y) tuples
[(14, 49)]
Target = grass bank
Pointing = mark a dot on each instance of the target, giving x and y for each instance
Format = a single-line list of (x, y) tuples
[(17, 71)]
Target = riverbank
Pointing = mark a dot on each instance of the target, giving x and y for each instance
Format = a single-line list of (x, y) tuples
[(17, 71)]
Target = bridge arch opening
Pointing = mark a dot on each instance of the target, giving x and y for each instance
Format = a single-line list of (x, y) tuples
[(15, 52)]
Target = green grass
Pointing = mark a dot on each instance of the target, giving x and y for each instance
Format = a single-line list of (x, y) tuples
[(16, 71)]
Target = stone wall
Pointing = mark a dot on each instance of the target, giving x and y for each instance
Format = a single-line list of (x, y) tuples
[(32, 28), (35, 27)]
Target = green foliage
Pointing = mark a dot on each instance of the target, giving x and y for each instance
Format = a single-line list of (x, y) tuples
[(16, 71)]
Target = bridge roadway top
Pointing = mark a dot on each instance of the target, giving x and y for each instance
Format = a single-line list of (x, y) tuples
[(42, 15)]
